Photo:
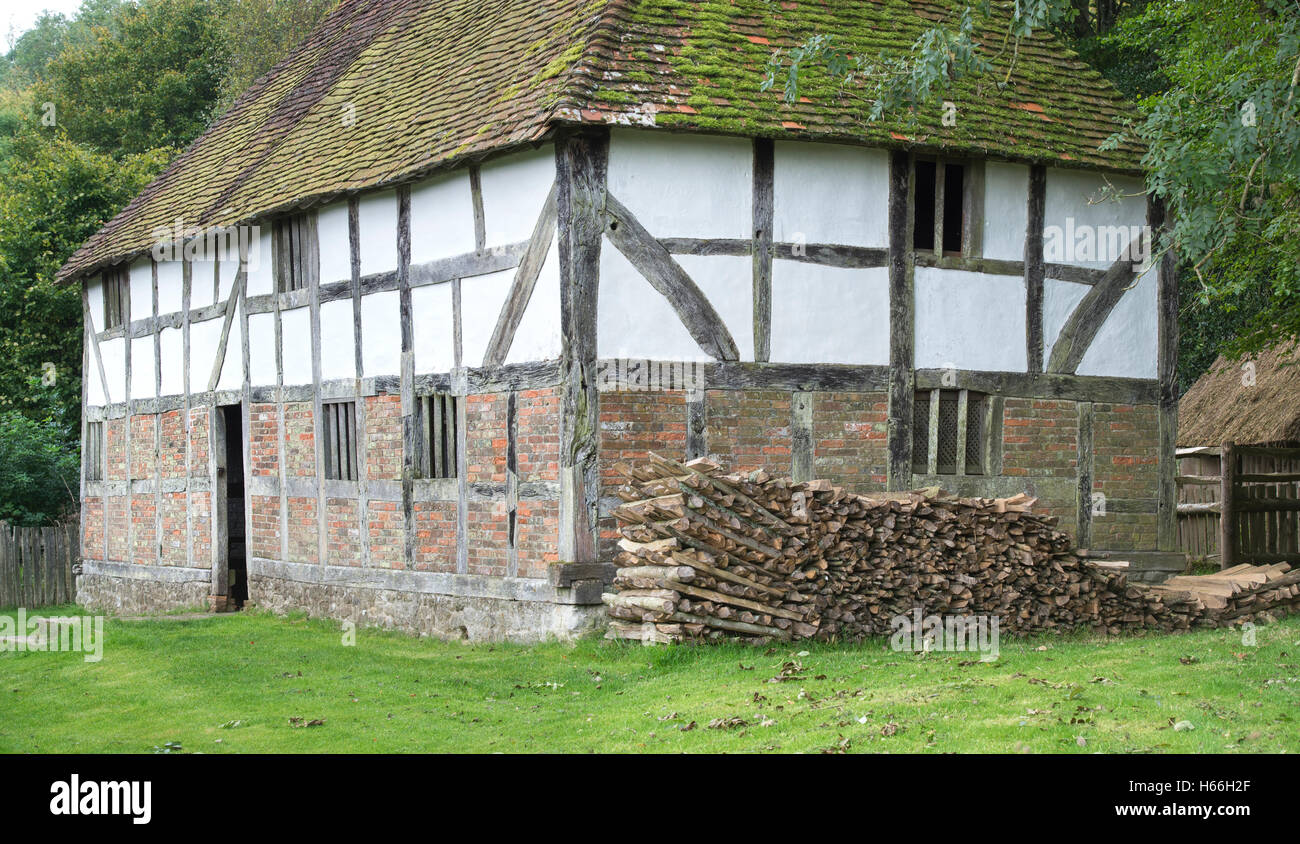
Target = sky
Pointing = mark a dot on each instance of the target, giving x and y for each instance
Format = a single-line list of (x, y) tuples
[(17, 16)]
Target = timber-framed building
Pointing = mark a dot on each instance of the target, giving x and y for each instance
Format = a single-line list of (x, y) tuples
[(373, 346)]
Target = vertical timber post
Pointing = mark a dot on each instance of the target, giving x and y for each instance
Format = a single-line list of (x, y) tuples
[(902, 269), (1167, 368), (1034, 266), (1227, 508), (582, 160)]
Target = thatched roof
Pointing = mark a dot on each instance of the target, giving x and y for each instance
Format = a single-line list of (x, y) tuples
[(427, 84), (1224, 406)]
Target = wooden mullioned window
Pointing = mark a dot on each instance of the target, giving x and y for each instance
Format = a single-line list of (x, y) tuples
[(436, 439), (115, 281), (340, 440), (947, 208), (949, 432), (297, 258), (93, 451)]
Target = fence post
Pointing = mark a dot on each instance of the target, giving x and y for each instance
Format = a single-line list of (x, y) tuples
[(1227, 508)]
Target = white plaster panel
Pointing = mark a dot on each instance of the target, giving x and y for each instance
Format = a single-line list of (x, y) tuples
[(381, 334), (95, 301), (94, 386), (1068, 212), (205, 338), (377, 220), (514, 191), (634, 320), (728, 283), (684, 185), (335, 243), (538, 336), (144, 384), (113, 354), (295, 333), (261, 350), (829, 315), (481, 300), (229, 269), (442, 218), (171, 286), (141, 280), (1128, 343), (232, 370), (338, 358), (435, 326), (1060, 298), (970, 321), (1006, 210), (261, 258), (831, 193), (202, 274), (172, 348)]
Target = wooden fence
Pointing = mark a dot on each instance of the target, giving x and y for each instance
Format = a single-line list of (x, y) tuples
[(1239, 504), (36, 564)]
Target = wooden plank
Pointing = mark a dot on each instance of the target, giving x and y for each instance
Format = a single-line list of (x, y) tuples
[(521, 289), (801, 436), (764, 177), (963, 406), (659, 268), (1227, 508), (1083, 492), (932, 437), (1034, 267), (480, 219), (1045, 385)]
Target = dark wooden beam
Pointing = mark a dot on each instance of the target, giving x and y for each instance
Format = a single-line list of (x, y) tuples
[(1083, 497), (764, 217), (1034, 268), (1167, 371), (582, 166), (901, 321), (1044, 385), (667, 276)]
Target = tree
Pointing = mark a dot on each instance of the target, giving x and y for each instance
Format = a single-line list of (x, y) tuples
[(39, 477), (255, 34)]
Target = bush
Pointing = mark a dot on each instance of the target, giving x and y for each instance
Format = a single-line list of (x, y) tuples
[(39, 471)]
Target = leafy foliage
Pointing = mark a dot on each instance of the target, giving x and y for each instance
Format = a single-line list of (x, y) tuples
[(38, 473)]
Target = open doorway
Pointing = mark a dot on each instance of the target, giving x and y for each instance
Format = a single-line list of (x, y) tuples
[(230, 477)]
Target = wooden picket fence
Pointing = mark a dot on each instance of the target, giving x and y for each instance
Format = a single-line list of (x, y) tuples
[(1239, 504), (37, 564)]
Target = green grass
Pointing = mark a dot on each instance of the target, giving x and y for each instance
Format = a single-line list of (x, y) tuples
[(181, 681)]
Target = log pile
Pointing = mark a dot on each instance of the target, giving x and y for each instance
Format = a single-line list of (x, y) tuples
[(706, 554)]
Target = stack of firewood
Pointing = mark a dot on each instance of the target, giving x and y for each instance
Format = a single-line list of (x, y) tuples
[(706, 555)]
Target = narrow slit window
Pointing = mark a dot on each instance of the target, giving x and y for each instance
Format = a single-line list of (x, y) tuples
[(954, 185), (340, 440), (114, 284), (437, 426), (93, 451), (923, 212), (296, 257)]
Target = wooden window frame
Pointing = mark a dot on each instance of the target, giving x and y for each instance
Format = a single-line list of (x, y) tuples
[(93, 451), (297, 252), (928, 403), (339, 428), (437, 435), (114, 282), (972, 206)]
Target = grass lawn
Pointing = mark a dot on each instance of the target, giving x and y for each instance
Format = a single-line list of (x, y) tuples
[(231, 685)]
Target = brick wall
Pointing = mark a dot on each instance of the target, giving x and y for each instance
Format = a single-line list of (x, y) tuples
[(143, 448), (537, 435), (384, 437), (485, 438), (92, 528), (537, 530), (263, 440), (632, 424), (199, 442), (304, 528), (173, 540), (750, 428), (200, 529), (851, 439), (488, 538), (144, 526), (435, 536), (343, 531), (299, 441), (387, 535), (1126, 471), (116, 514), (1040, 440), (264, 531), (115, 449)]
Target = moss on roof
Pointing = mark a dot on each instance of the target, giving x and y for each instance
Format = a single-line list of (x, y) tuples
[(433, 82)]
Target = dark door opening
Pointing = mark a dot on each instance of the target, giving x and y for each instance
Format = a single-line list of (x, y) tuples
[(236, 553)]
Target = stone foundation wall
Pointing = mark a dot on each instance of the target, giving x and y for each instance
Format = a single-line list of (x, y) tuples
[(104, 592)]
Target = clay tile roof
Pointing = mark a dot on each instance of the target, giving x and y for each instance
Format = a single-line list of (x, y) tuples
[(385, 91)]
